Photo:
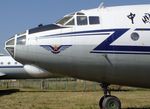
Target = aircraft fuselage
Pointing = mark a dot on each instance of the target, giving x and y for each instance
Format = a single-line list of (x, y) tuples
[(108, 45)]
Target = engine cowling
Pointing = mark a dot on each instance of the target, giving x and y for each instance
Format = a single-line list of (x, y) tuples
[(36, 71)]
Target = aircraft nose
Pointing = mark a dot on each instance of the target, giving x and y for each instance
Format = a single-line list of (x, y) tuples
[(17, 40), (9, 46)]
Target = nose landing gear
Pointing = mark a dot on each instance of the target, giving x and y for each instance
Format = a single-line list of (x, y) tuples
[(108, 101)]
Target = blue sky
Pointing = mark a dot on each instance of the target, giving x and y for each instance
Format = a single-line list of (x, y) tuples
[(18, 15)]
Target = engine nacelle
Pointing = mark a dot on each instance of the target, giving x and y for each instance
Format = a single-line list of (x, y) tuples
[(36, 71)]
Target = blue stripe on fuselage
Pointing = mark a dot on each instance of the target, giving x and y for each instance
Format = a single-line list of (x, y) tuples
[(11, 66), (94, 32), (106, 47), (142, 29), (81, 33), (75, 35)]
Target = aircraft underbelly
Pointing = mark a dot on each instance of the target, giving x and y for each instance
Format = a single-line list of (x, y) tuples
[(130, 69)]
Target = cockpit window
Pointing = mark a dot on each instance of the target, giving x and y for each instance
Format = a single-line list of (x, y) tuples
[(79, 13), (11, 42), (82, 20), (79, 19), (72, 22), (94, 20), (10, 50), (21, 40), (64, 20)]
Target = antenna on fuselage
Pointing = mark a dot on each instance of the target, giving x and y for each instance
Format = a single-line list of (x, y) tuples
[(101, 5)]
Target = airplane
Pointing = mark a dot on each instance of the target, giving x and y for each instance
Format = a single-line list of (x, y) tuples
[(11, 69), (108, 45)]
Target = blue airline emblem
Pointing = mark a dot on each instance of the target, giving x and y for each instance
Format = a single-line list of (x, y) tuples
[(55, 49)]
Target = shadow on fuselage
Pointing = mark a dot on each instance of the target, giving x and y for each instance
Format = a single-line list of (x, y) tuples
[(8, 92)]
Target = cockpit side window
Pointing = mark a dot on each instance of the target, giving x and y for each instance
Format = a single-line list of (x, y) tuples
[(82, 20), (64, 20), (72, 22), (94, 20)]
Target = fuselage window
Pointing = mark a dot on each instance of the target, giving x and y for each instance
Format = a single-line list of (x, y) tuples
[(2, 63), (94, 20), (71, 22)]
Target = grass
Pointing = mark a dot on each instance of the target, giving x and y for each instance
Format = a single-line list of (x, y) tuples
[(70, 100)]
